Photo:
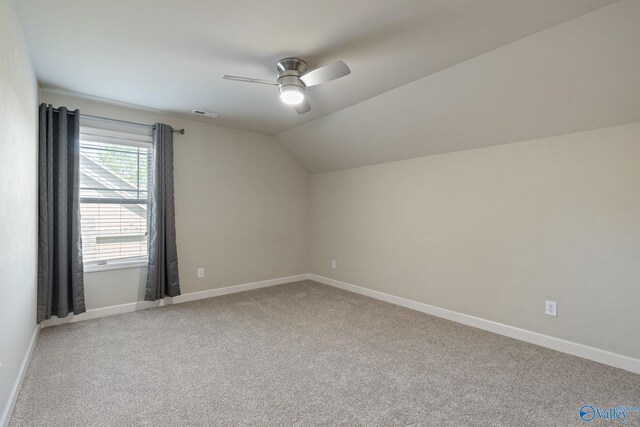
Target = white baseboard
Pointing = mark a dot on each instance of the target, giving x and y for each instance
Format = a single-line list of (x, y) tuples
[(209, 293), (192, 296), (13, 396), (602, 356)]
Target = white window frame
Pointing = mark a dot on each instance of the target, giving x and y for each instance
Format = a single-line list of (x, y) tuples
[(88, 133), (116, 264)]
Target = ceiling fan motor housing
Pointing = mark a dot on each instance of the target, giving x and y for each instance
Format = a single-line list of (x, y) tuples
[(289, 72)]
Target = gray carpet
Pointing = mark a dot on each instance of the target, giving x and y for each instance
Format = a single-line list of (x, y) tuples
[(304, 354)]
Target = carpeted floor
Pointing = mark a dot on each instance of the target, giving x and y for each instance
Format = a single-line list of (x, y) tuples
[(304, 354)]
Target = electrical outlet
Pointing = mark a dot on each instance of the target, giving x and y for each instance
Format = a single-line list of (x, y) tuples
[(333, 264), (200, 273), (551, 308)]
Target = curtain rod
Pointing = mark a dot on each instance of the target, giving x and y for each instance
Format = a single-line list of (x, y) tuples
[(107, 119)]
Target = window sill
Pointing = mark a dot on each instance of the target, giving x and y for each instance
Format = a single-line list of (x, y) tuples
[(115, 265)]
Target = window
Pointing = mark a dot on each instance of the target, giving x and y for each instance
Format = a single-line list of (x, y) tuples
[(114, 174)]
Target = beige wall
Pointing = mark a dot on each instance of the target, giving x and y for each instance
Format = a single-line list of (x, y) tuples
[(241, 207), (493, 232), (18, 202)]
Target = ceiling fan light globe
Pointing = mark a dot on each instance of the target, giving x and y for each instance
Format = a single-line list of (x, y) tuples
[(292, 95)]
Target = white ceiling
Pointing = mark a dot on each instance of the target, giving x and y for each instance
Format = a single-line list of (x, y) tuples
[(580, 75), (170, 55)]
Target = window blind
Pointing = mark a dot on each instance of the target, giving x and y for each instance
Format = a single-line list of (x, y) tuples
[(114, 183)]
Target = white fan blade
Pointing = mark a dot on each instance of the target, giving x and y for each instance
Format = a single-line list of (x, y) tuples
[(303, 107), (249, 80), (326, 73)]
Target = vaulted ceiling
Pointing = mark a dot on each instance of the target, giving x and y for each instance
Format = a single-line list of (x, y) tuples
[(583, 74), (428, 76)]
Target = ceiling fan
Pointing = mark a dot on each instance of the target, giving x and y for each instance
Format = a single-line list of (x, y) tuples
[(293, 78)]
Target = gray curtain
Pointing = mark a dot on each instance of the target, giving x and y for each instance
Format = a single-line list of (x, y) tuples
[(60, 271), (162, 273)]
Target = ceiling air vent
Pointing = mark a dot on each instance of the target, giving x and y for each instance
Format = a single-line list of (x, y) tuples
[(204, 113)]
